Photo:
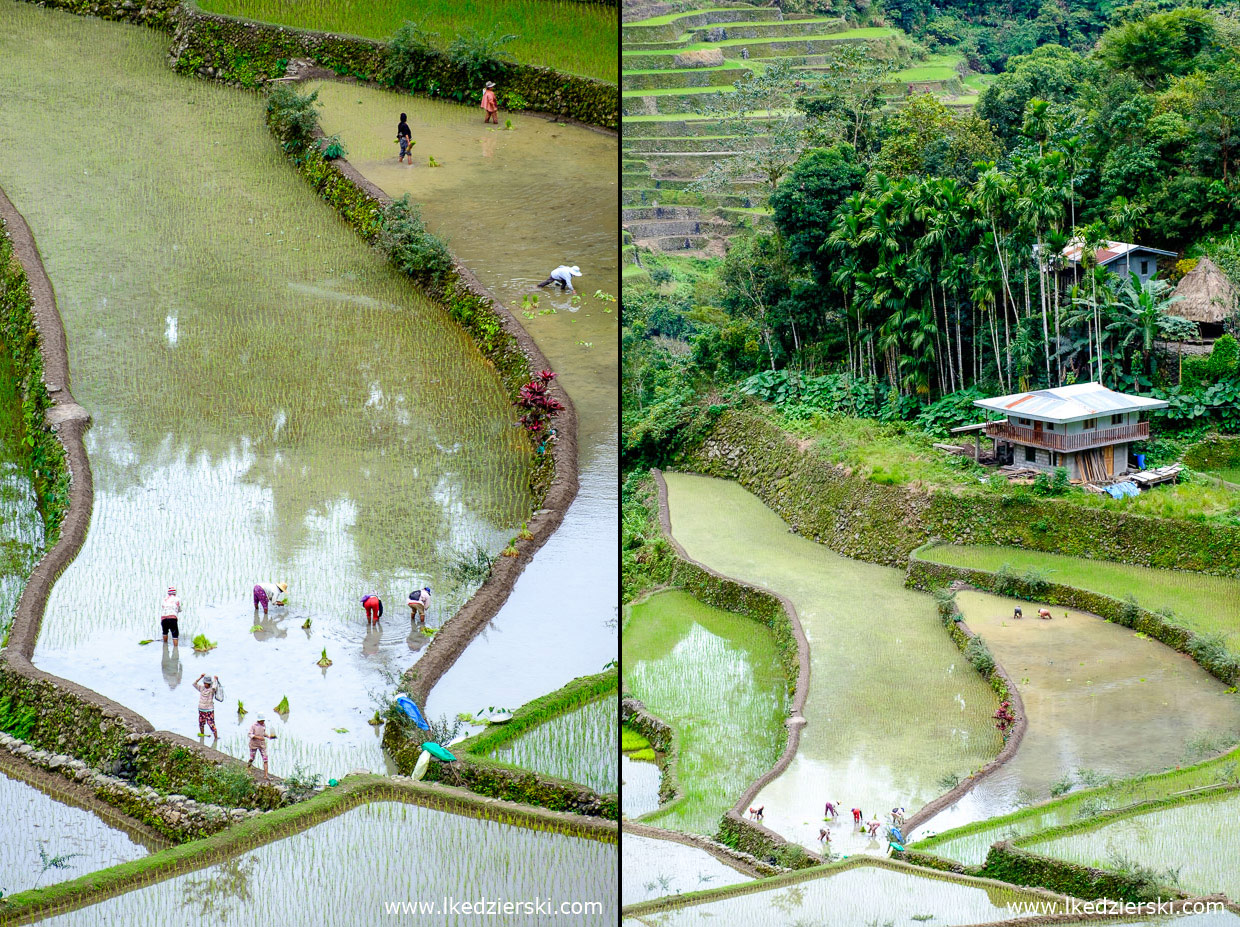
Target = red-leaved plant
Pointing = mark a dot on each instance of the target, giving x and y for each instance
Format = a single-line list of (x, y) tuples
[(538, 405)]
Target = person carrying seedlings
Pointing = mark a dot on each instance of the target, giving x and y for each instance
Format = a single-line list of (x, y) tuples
[(258, 743), (270, 593), (169, 611), (208, 694), (405, 138), (563, 275), (419, 601), (489, 106), (373, 606)]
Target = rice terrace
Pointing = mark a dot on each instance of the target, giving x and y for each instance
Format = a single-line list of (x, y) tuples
[(930, 554), (296, 456)]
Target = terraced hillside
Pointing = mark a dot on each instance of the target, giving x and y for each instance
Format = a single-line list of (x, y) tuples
[(679, 58)]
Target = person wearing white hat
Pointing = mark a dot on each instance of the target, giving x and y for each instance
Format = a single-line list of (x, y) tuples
[(169, 611), (489, 106), (273, 593), (563, 275), (258, 742)]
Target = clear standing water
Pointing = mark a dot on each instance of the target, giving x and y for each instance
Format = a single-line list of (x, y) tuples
[(893, 708), (656, 868), (271, 401), (513, 205), (865, 894), (1193, 846), (1101, 701), (347, 871), (44, 840), (580, 746), (715, 678)]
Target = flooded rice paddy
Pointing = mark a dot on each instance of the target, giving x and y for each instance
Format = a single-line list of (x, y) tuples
[(513, 205), (894, 710), (341, 873), (656, 868), (715, 678), (579, 745), (44, 840), (865, 894), (1202, 602), (641, 779), (272, 402), (1194, 845), (1091, 690), (21, 527)]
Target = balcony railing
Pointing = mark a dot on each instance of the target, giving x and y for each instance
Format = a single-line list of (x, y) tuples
[(1077, 441)]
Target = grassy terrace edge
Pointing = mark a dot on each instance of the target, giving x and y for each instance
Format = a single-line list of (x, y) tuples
[(353, 791), (250, 53), (478, 772)]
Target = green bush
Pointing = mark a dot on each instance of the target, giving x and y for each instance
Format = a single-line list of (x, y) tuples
[(1036, 582), (229, 785), (409, 51), (979, 655), (334, 148), (481, 57), (293, 116), (415, 250), (945, 601)]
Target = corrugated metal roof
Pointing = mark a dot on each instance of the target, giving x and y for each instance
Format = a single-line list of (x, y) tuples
[(1069, 403), (1110, 250)]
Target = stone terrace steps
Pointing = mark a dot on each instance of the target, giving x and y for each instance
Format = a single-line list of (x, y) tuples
[(673, 78), (670, 28)]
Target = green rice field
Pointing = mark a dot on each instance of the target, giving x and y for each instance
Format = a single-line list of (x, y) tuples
[(869, 893), (571, 36), (579, 745), (1202, 602), (1195, 845), (340, 874), (894, 710), (657, 868), (715, 678)]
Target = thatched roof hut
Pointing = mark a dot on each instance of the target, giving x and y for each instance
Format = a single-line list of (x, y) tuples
[(1205, 294)]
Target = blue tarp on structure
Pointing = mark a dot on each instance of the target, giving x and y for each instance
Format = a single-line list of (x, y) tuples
[(1123, 490)]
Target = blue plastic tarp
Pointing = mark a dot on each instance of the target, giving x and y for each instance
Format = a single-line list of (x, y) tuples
[(1123, 490)]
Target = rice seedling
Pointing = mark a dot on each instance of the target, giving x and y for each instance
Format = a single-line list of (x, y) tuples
[(202, 645), (676, 652), (876, 743), (260, 436), (241, 710), (1201, 602), (655, 868), (576, 37), (860, 894), (1198, 837), (282, 708), (323, 661), (43, 840), (579, 745)]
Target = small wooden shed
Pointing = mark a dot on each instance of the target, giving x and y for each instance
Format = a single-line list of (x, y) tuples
[(1206, 297)]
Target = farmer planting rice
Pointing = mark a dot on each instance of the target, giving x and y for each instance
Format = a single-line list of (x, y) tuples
[(419, 601), (170, 609), (563, 275), (208, 694), (489, 106), (405, 138), (270, 593), (373, 606), (258, 742)]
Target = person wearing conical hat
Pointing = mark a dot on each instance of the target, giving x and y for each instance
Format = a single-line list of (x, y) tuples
[(273, 593), (563, 275), (170, 609)]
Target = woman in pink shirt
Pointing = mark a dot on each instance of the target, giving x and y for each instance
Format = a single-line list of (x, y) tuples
[(489, 106), (208, 691), (258, 742)]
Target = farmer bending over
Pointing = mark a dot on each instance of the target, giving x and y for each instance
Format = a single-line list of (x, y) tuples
[(419, 601), (374, 607), (270, 593), (563, 275)]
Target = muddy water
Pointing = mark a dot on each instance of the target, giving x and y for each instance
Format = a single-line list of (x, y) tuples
[(861, 895), (271, 400), (715, 678), (893, 707), (342, 872), (1092, 690), (1199, 840), (513, 205), (21, 527), (656, 868), (579, 746), (32, 821)]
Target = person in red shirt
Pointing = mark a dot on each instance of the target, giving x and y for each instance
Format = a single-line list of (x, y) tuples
[(489, 106)]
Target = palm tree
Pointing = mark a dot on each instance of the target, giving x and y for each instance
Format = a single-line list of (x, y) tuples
[(1138, 311)]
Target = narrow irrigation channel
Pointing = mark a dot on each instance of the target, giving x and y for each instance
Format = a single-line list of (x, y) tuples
[(272, 402), (514, 203)]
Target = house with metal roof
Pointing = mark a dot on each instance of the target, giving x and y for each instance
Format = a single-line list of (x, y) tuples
[(1119, 257), (1085, 428)]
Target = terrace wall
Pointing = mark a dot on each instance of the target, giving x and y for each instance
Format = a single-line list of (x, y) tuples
[(154, 13), (928, 576), (251, 53), (662, 738), (1008, 863), (884, 524)]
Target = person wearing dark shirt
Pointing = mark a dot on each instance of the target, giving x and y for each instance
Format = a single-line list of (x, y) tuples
[(405, 138)]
